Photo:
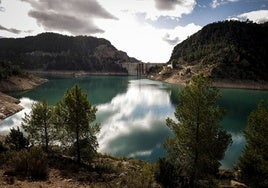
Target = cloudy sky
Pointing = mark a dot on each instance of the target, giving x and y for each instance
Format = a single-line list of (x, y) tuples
[(145, 29)]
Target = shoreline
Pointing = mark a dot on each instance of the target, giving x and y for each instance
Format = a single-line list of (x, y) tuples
[(9, 106), (74, 73), (225, 83), (239, 84), (221, 84)]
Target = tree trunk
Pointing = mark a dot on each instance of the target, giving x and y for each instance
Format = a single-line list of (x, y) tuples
[(78, 146), (194, 175), (46, 138)]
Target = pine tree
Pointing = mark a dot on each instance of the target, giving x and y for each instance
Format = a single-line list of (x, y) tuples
[(75, 113), (38, 124), (199, 141), (16, 140), (254, 161)]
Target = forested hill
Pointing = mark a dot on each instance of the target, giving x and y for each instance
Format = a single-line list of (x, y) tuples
[(50, 51), (225, 50)]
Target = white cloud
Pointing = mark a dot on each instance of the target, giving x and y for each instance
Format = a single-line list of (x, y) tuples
[(152, 8), (15, 16), (133, 116), (259, 16), (74, 16), (142, 40), (216, 3)]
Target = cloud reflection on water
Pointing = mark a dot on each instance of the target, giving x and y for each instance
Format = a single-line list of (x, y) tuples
[(232, 153), (15, 120), (133, 121), (134, 124)]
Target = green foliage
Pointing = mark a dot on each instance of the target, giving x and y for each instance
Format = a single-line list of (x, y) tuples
[(199, 141), (74, 113), (168, 175), (254, 161), (154, 69), (238, 50), (147, 175), (16, 140), (39, 126), (30, 163), (139, 178), (8, 69)]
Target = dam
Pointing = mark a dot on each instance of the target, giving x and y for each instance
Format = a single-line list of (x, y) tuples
[(140, 69)]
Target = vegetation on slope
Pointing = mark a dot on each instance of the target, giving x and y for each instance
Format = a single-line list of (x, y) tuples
[(225, 50), (50, 51), (7, 69)]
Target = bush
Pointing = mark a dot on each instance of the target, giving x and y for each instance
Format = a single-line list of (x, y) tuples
[(16, 140), (166, 174), (30, 163)]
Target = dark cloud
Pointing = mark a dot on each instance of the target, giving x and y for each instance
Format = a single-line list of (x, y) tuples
[(138, 140), (165, 4), (2, 9), (74, 16), (11, 30), (168, 4), (51, 20), (170, 41)]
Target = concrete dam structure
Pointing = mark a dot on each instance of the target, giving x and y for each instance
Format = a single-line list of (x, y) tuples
[(140, 69)]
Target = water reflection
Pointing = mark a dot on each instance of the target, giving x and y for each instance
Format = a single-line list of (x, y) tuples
[(15, 120), (132, 113), (232, 154), (134, 124)]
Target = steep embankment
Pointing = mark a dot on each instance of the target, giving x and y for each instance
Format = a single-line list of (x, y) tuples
[(50, 51), (19, 83), (233, 53), (8, 106)]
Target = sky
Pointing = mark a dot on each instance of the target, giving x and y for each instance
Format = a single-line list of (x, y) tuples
[(146, 29)]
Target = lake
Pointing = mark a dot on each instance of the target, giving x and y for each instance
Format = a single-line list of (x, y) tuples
[(132, 112)]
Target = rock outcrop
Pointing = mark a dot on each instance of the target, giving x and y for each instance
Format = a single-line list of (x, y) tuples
[(18, 83), (8, 106)]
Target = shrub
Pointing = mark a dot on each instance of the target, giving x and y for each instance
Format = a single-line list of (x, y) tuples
[(166, 174), (16, 140), (30, 163)]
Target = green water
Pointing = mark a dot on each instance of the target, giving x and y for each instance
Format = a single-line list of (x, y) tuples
[(132, 112)]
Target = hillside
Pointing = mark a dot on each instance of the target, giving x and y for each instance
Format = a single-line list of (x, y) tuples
[(50, 51), (228, 50)]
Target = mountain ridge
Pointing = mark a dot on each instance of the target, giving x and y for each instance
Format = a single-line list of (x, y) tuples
[(229, 50), (52, 51)]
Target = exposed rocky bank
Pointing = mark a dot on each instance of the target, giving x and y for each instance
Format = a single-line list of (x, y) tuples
[(8, 104), (182, 76)]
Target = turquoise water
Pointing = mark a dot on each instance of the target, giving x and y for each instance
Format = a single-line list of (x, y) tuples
[(132, 112)]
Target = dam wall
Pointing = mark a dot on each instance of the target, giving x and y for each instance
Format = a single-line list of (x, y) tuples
[(140, 69)]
